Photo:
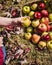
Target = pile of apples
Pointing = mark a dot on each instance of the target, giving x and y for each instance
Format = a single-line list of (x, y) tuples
[(37, 28)]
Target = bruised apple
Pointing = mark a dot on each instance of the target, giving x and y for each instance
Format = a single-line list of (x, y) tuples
[(35, 38), (45, 36)]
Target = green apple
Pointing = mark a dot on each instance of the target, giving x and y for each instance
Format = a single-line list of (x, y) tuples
[(34, 6), (28, 36), (50, 33), (26, 9), (35, 23), (29, 29), (49, 45), (42, 44), (31, 14), (50, 17), (26, 22)]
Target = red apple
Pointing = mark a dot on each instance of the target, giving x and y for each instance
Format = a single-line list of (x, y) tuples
[(14, 13), (42, 5), (45, 20), (42, 27), (46, 37), (37, 15), (48, 27), (35, 38), (44, 13)]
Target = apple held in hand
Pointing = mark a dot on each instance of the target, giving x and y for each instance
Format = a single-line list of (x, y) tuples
[(35, 38), (42, 27), (26, 9), (34, 6), (42, 5), (50, 17), (37, 15), (35, 23), (31, 14), (28, 36), (30, 29), (26, 22), (42, 44), (44, 13), (45, 20), (49, 45)]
